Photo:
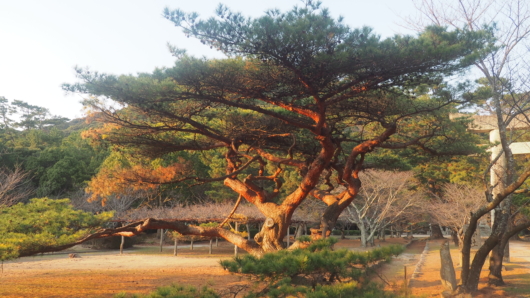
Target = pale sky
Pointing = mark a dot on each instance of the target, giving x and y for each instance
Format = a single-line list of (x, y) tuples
[(41, 41)]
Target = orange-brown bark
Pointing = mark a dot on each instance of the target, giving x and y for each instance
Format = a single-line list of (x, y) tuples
[(350, 177)]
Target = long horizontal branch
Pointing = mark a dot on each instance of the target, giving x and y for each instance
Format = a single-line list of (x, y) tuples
[(138, 227), (286, 161)]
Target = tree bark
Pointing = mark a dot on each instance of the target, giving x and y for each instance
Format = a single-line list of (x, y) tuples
[(336, 204), (497, 253), (272, 233), (364, 240), (471, 280), (447, 270), (470, 284), (436, 232)]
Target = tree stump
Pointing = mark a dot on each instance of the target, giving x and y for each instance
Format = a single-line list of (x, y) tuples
[(447, 270)]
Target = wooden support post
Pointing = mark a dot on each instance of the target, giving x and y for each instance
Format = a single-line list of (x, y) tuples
[(405, 275), (299, 231), (191, 244), (211, 243), (235, 246), (248, 231), (161, 239), (288, 236), (121, 244), (175, 250)]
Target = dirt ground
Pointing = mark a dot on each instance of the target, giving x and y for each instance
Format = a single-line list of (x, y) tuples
[(104, 274), (423, 272), (142, 269)]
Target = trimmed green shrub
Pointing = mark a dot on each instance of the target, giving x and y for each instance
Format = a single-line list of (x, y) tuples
[(317, 271), (174, 291), (27, 229), (347, 232)]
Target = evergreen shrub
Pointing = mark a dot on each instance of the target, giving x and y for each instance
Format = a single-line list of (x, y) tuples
[(174, 291), (317, 271)]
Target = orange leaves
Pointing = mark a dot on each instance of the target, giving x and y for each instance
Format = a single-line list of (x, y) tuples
[(101, 132), (119, 179)]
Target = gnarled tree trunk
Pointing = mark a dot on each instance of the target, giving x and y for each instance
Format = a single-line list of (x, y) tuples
[(272, 233)]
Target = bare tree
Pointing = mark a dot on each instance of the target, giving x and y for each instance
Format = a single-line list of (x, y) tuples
[(14, 186), (505, 71), (455, 208), (121, 204), (384, 198)]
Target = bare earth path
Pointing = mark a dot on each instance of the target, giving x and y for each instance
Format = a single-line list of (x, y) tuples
[(426, 280)]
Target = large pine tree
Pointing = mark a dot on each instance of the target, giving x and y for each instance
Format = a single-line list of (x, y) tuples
[(297, 90)]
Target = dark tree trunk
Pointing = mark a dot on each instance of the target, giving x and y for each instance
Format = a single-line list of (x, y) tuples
[(329, 219), (470, 282), (497, 253), (454, 237), (436, 232), (495, 275)]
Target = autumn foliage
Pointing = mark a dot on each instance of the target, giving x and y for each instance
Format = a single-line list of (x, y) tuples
[(120, 179)]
